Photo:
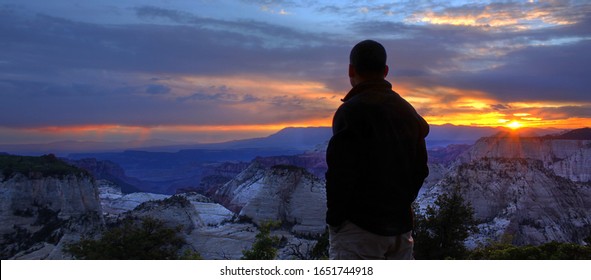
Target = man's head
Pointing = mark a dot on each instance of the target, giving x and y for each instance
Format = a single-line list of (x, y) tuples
[(367, 61)]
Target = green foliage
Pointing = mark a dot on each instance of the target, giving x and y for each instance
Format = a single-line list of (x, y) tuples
[(441, 232), (320, 250), (37, 167), (173, 201), (265, 245), (549, 251), (306, 250), (292, 168), (149, 239), (190, 255)]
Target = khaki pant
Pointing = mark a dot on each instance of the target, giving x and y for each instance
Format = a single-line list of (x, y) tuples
[(350, 242)]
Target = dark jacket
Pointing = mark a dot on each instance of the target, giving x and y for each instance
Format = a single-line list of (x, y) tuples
[(377, 160)]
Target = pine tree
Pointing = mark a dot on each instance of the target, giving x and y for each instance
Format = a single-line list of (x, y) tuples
[(440, 233), (148, 239), (265, 245)]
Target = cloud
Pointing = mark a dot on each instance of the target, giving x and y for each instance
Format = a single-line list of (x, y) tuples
[(224, 97), (547, 62), (546, 73), (509, 16), (59, 105), (157, 89), (66, 73), (197, 46), (170, 66), (582, 111), (500, 107)]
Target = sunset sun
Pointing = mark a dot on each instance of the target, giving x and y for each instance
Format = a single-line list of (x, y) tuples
[(514, 125)]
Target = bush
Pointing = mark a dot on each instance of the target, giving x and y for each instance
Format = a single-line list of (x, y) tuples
[(37, 167), (320, 250), (549, 251), (148, 239), (265, 245), (441, 232)]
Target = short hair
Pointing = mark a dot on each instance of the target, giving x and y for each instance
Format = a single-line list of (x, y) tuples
[(368, 57)]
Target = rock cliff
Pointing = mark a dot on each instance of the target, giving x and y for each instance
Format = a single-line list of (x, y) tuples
[(108, 170), (44, 203), (280, 193), (524, 190), (313, 161), (209, 227), (568, 158)]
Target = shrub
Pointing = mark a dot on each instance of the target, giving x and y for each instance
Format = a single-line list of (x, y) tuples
[(265, 245), (549, 251), (320, 250), (148, 239), (441, 232)]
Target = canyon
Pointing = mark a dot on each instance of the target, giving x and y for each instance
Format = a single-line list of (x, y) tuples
[(524, 190)]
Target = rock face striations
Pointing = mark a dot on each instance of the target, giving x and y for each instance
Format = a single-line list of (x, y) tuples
[(44, 203), (282, 193), (524, 190), (567, 155)]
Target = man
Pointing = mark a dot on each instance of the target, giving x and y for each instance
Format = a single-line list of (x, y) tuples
[(377, 162)]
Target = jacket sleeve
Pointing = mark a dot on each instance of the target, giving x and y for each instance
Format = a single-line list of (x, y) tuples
[(342, 158)]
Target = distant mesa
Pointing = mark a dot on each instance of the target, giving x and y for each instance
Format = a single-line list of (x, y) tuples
[(549, 134), (576, 134)]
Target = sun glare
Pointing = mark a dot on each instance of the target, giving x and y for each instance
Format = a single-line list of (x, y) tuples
[(514, 125)]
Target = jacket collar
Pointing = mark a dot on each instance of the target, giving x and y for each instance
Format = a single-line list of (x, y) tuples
[(380, 85)]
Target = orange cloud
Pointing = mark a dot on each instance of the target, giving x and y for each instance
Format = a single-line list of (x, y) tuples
[(184, 133), (442, 105), (260, 86), (439, 105), (98, 132), (503, 16)]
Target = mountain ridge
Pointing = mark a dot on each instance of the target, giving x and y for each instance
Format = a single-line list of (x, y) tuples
[(296, 138), (524, 190)]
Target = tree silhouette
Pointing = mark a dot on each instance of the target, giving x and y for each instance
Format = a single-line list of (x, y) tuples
[(149, 239), (440, 233), (265, 245)]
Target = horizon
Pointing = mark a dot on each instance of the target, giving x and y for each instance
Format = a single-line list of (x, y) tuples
[(212, 72), (510, 129), (441, 136)]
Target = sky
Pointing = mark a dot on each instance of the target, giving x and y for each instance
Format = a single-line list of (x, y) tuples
[(211, 71)]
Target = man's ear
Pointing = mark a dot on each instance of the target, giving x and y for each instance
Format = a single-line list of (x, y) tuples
[(386, 69), (352, 72)]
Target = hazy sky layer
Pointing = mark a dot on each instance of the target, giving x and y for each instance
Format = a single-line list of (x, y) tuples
[(207, 71)]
